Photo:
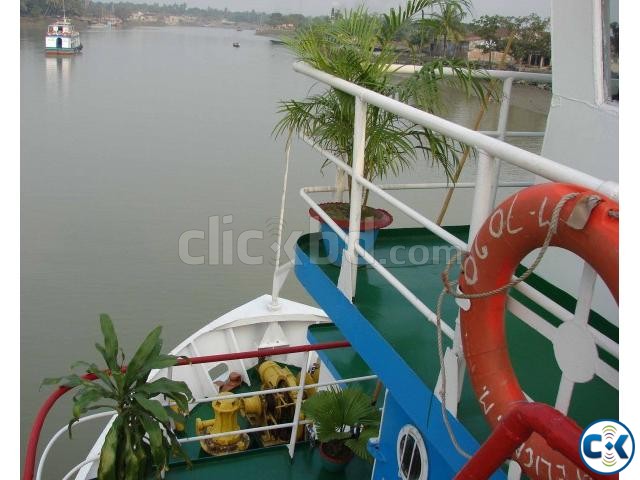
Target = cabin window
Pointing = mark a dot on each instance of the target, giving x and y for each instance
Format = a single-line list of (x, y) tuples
[(611, 49), (219, 372), (412, 454)]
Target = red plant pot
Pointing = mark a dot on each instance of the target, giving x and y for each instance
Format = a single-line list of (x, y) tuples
[(369, 228), (331, 463)]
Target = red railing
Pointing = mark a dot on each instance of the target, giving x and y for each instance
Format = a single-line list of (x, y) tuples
[(560, 432), (38, 422)]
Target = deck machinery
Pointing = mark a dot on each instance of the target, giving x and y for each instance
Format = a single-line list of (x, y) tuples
[(259, 410)]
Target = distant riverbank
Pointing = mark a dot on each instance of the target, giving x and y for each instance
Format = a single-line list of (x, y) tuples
[(155, 21)]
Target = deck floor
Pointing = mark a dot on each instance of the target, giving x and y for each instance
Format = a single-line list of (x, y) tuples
[(414, 338), (272, 464)]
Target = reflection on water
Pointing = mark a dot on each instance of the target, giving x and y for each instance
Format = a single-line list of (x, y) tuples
[(58, 70)]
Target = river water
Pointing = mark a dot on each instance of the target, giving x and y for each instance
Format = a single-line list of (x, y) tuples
[(144, 136)]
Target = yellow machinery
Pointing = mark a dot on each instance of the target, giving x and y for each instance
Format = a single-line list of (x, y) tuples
[(225, 420), (275, 408), (260, 410), (179, 426)]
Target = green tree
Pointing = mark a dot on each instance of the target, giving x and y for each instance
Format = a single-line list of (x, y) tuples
[(493, 29), (447, 23), (532, 37), (276, 19)]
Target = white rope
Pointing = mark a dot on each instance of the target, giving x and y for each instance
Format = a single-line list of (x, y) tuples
[(450, 289), (275, 287)]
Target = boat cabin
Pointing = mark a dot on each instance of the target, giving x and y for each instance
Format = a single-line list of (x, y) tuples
[(63, 27), (62, 38)]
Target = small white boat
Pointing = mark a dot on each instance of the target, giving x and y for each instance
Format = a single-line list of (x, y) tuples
[(62, 38)]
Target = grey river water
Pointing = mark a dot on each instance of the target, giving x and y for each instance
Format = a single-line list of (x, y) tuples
[(143, 136)]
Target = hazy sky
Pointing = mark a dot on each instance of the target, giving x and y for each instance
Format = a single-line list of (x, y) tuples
[(323, 7)]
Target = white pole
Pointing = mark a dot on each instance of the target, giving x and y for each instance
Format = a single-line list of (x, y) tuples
[(349, 267), (482, 201), (296, 415), (275, 289), (503, 119)]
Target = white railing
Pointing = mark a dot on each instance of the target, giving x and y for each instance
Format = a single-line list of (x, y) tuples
[(529, 161), (490, 152), (293, 424)]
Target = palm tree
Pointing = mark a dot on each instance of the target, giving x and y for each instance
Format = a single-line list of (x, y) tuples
[(448, 23), (358, 47), (343, 419)]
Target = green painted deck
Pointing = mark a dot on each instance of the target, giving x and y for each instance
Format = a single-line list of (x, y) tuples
[(269, 463), (414, 338)]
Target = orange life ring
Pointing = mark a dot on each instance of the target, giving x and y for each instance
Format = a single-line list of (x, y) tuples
[(517, 227)]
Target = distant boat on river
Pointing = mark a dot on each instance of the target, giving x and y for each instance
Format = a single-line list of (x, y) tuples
[(62, 38)]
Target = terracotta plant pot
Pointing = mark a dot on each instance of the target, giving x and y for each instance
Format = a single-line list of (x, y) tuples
[(370, 225), (333, 463)]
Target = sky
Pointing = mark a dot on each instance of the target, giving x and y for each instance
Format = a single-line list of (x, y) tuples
[(323, 7)]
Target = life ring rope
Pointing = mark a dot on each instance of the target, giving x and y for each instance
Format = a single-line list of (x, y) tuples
[(450, 288)]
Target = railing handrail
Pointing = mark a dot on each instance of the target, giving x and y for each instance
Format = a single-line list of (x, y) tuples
[(532, 162), (36, 429), (418, 217), (60, 432), (254, 393), (417, 186), (489, 74)]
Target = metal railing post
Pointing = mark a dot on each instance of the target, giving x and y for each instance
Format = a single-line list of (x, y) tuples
[(482, 194), (296, 415), (503, 119), (348, 269), (341, 185)]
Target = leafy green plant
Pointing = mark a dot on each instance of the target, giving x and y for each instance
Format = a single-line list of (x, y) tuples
[(359, 47), (140, 436), (343, 419)]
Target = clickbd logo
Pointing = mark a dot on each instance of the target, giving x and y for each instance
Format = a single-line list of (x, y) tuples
[(606, 446)]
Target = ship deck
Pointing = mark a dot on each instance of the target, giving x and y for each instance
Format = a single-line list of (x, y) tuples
[(271, 461), (408, 333)]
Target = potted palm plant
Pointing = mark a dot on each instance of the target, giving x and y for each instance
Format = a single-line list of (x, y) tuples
[(344, 421), (140, 438), (361, 48)]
